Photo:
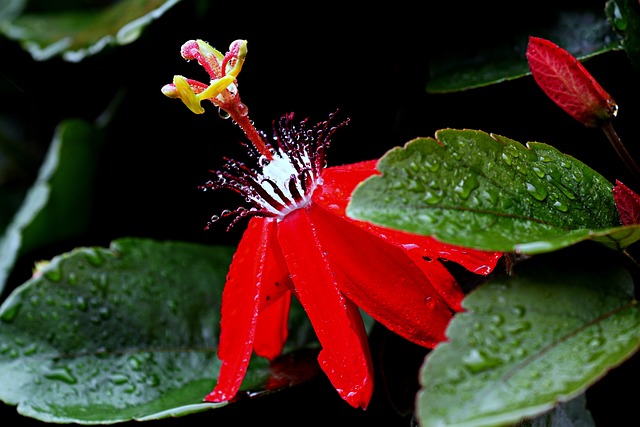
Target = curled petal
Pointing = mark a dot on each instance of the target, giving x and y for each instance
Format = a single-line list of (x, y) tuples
[(240, 306), (382, 280), (567, 82), (345, 356)]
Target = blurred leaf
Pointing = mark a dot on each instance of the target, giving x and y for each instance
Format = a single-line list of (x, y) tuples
[(130, 332), (19, 162), (573, 413), (529, 341), (58, 204), (485, 191), (624, 16), (479, 62), (77, 33)]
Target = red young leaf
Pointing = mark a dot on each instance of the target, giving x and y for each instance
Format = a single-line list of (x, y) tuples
[(628, 204), (565, 80)]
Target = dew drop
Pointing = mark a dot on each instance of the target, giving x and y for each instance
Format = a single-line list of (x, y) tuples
[(433, 197), (465, 186), (512, 151), (94, 257), (537, 193), (54, 274), (81, 303), (223, 114), (518, 327), (61, 374), (507, 158), (9, 313), (415, 186), (497, 319), (104, 313), (596, 342), (432, 165), (545, 159), (476, 361), (518, 310), (539, 172), (567, 192), (560, 206), (153, 380), (118, 378)]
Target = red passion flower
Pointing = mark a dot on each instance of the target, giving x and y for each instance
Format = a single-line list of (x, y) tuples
[(299, 242)]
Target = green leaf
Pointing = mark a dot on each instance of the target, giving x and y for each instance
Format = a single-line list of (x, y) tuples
[(584, 32), (526, 342), (130, 332), (485, 191), (625, 20), (77, 33), (57, 206)]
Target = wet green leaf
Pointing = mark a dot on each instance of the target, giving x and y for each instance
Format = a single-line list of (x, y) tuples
[(584, 32), (58, 204), (130, 332), (529, 341), (75, 33), (484, 191)]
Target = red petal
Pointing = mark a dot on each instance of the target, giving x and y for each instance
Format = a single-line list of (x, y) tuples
[(565, 80), (627, 203), (345, 357), (382, 280), (339, 182), (272, 329), (334, 195), (241, 300)]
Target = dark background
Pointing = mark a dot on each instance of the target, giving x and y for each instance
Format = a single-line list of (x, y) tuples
[(371, 62)]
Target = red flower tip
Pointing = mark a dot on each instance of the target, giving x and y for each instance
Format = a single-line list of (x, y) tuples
[(567, 82), (627, 203)]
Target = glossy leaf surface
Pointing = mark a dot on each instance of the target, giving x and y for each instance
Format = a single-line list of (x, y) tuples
[(488, 192), (484, 60), (532, 340), (125, 333)]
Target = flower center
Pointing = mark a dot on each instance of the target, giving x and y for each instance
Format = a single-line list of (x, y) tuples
[(285, 181)]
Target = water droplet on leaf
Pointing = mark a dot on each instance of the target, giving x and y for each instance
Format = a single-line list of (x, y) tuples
[(61, 374), (10, 312)]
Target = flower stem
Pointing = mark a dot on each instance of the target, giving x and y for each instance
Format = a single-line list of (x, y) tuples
[(611, 134), (254, 136)]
